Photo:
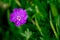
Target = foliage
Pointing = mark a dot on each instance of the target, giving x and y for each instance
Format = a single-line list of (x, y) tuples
[(43, 20)]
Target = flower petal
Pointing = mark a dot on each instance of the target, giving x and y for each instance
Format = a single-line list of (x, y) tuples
[(17, 23), (15, 10), (23, 21), (25, 18), (18, 16), (12, 18)]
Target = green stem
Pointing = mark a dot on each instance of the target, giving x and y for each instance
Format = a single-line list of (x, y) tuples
[(38, 27), (57, 29), (53, 29), (52, 26), (57, 23)]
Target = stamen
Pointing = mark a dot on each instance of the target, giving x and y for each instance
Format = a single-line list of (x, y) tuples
[(18, 18)]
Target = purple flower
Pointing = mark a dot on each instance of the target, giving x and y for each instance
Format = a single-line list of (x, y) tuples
[(18, 16)]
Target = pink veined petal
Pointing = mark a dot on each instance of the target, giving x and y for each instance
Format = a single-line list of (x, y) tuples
[(23, 21), (15, 10), (21, 13), (11, 15), (17, 23), (25, 18), (25, 11), (12, 18)]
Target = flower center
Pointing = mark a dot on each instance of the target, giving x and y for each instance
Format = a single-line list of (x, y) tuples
[(18, 18)]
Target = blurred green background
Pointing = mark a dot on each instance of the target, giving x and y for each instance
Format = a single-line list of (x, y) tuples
[(43, 22)]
